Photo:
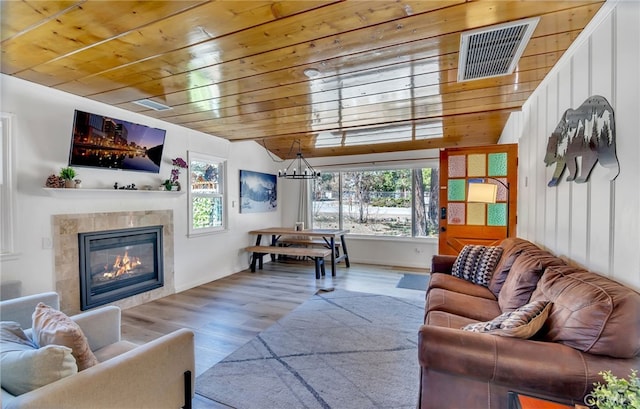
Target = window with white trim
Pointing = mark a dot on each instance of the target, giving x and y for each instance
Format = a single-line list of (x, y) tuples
[(207, 187)]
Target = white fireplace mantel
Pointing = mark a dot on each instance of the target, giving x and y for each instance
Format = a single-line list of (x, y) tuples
[(88, 193)]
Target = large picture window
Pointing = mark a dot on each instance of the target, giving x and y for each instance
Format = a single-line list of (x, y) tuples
[(207, 208), (390, 202)]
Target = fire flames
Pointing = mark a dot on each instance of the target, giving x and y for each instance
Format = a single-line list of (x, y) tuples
[(122, 265)]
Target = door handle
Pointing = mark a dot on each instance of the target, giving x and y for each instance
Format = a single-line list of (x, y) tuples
[(443, 229)]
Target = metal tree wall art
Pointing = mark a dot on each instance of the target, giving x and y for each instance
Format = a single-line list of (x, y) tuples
[(588, 133)]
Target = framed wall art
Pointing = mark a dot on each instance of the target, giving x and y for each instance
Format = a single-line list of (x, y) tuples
[(258, 192)]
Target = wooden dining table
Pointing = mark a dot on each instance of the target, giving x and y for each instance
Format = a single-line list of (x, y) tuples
[(328, 235)]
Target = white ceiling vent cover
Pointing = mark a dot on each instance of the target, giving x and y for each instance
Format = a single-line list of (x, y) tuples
[(156, 106), (493, 51)]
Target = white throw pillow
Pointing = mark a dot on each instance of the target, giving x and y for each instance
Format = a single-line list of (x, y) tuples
[(23, 367)]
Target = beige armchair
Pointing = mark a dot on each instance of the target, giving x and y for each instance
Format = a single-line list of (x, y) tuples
[(159, 374)]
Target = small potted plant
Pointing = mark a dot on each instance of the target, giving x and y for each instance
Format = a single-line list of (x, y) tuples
[(615, 393), (168, 184), (173, 182), (68, 174)]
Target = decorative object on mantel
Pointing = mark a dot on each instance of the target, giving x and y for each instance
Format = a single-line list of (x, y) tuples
[(127, 187), (173, 183), (299, 168), (67, 174), (588, 132), (78, 183), (54, 182)]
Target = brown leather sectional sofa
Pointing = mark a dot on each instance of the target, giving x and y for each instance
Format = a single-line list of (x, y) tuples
[(593, 325)]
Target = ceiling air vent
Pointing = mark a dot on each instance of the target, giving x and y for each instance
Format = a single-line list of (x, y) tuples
[(156, 106), (493, 51)]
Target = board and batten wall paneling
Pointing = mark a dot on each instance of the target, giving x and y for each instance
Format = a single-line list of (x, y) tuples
[(595, 224), (530, 147), (531, 165), (626, 190), (550, 195), (531, 169), (600, 215), (524, 187), (563, 190), (581, 89), (540, 148)]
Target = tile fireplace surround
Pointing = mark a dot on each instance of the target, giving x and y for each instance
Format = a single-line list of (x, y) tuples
[(65, 245)]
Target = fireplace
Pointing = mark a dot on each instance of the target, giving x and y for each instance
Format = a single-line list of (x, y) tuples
[(116, 264)]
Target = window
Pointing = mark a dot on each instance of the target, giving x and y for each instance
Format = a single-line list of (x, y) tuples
[(7, 183), (207, 209), (392, 202)]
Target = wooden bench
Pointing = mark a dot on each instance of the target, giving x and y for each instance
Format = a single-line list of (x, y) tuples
[(316, 254), (293, 241)]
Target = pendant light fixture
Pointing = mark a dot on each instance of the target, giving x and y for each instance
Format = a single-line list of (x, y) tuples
[(299, 168)]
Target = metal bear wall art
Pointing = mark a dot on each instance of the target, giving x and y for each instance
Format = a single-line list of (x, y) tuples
[(588, 133)]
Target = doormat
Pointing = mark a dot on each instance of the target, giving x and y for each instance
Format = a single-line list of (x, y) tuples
[(414, 281)]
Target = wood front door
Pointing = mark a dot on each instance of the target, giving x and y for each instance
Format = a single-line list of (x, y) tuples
[(463, 222)]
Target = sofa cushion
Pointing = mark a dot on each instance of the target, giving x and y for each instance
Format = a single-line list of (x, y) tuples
[(476, 263), (459, 285), (475, 308), (447, 320), (113, 350), (512, 247), (524, 322), (53, 327), (523, 278), (24, 367), (500, 273), (590, 312)]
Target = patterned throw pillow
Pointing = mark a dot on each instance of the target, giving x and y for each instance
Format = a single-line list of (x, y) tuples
[(521, 323), (487, 326), (476, 263), (53, 327)]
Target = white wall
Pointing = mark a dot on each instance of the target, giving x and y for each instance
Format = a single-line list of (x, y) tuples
[(43, 122), (594, 224)]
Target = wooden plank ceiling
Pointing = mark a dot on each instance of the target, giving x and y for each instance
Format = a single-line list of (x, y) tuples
[(386, 70)]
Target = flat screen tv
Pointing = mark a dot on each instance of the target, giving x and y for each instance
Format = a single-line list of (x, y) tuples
[(104, 142)]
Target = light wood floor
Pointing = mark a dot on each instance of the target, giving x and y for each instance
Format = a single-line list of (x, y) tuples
[(227, 313)]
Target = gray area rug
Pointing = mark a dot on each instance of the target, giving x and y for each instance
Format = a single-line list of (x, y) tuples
[(414, 281), (338, 350)]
